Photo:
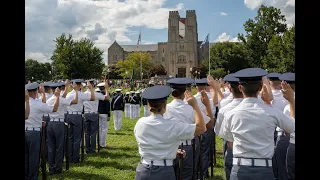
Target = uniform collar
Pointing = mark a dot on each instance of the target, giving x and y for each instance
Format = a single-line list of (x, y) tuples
[(156, 116), (177, 101), (250, 100), (237, 100)]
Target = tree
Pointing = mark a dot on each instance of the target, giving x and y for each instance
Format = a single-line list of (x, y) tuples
[(157, 70), (36, 71), (77, 59), (230, 56), (132, 63), (281, 53), (218, 73), (260, 31), (195, 71), (113, 72)]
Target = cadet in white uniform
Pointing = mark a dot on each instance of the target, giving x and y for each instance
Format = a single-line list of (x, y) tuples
[(127, 105), (250, 126), (159, 138), (206, 136), (74, 118), (289, 110), (132, 105), (281, 140), (179, 110), (117, 106), (91, 116), (237, 98), (104, 114), (56, 130), (33, 129)]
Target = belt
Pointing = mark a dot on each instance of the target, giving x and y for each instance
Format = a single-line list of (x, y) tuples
[(157, 162), (280, 133), (91, 112), (186, 143), (74, 112), (252, 162), (57, 119), (33, 129)]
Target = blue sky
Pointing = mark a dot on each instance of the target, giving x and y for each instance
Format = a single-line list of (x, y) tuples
[(104, 21)]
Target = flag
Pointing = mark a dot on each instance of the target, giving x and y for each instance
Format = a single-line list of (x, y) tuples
[(206, 40), (131, 80), (139, 40)]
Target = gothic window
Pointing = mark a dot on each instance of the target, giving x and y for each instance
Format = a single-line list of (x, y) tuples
[(181, 46), (163, 50), (163, 59), (181, 59)]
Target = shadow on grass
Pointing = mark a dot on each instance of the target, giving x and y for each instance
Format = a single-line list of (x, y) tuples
[(122, 134), (113, 155), (99, 165), (122, 148), (77, 175)]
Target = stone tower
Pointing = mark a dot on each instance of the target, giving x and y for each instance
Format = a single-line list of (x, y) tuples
[(182, 43)]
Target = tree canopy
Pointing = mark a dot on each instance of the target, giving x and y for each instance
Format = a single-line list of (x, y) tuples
[(37, 71), (77, 58)]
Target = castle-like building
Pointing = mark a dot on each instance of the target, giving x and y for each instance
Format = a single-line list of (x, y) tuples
[(180, 53)]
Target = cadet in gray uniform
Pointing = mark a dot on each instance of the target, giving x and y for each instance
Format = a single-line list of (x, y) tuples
[(182, 112), (74, 118), (132, 105), (48, 94), (250, 126), (56, 129), (91, 116), (33, 129), (159, 138), (237, 98), (289, 110)]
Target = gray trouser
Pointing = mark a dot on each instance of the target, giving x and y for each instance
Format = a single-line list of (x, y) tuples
[(187, 168), (149, 172), (46, 118), (228, 162), (75, 133), (197, 144), (32, 151), (56, 140), (207, 137), (279, 158), (91, 121), (291, 161), (251, 173), (225, 147)]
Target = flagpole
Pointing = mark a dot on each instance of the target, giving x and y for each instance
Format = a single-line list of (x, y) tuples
[(140, 61), (209, 51)]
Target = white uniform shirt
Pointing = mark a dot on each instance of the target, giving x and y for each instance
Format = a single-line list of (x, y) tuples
[(159, 138), (226, 100), (81, 98), (286, 111), (62, 109), (92, 106), (234, 103), (202, 106), (48, 96), (250, 126), (37, 109), (278, 102)]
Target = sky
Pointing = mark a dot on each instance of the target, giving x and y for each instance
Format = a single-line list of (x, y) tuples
[(104, 21)]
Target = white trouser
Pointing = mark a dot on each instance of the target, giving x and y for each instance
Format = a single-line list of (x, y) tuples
[(117, 119), (146, 110), (127, 110), (103, 129), (132, 111), (137, 110)]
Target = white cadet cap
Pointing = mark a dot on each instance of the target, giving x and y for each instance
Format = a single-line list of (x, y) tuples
[(118, 90), (97, 89), (101, 84), (127, 92)]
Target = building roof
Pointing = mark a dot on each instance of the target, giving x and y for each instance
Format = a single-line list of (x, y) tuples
[(142, 47)]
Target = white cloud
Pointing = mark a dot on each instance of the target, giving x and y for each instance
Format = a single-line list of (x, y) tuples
[(225, 37), (102, 21), (223, 14), (148, 42), (287, 7)]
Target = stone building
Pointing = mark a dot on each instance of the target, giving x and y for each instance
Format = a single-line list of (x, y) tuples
[(180, 53)]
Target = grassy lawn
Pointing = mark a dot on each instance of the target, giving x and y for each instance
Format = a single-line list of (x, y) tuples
[(119, 160)]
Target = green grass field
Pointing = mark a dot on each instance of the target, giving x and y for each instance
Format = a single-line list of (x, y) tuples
[(119, 160)]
